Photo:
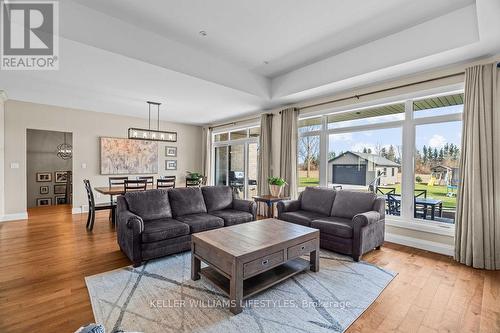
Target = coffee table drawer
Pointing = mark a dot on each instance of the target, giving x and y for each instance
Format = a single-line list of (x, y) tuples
[(262, 264), (302, 248)]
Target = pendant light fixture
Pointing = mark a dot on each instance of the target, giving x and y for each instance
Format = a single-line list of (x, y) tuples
[(152, 134), (64, 150)]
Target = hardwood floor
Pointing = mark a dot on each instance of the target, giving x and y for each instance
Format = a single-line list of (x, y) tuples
[(43, 262)]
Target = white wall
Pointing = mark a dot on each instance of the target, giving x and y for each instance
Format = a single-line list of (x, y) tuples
[(2, 152), (86, 127)]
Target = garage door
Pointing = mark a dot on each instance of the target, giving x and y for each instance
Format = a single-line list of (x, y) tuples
[(349, 174)]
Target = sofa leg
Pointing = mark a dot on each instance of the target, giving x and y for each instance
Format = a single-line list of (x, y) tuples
[(356, 258), (378, 247), (137, 264)]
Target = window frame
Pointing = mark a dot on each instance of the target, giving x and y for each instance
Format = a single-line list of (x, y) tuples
[(408, 127), (243, 141)]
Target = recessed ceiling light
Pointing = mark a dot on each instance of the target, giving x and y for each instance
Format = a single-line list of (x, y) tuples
[(203, 33)]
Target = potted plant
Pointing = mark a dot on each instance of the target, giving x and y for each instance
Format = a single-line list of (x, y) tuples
[(276, 185)]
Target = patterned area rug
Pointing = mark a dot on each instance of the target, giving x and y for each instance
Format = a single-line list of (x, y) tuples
[(160, 297)]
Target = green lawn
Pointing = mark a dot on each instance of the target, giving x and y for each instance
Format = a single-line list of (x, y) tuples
[(304, 181), (435, 192)]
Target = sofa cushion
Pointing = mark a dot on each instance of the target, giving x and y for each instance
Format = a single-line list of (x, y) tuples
[(149, 205), (318, 200), (217, 197), (302, 217), (232, 217), (201, 222), (161, 229), (186, 201), (350, 203), (337, 226)]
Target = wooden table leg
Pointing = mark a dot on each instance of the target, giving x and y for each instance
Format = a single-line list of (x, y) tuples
[(314, 259), (195, 265), (236, 288)]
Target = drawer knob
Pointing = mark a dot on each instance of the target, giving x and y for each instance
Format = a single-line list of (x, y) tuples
[(303, 247), (265, 262)]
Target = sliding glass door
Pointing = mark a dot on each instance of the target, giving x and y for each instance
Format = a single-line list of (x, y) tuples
[(235, 161)]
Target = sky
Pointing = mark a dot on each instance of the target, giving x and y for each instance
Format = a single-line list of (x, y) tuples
[(433, 135)]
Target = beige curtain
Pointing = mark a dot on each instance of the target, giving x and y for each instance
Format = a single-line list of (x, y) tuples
[(477, 235), (288, 154), (206, 154), (264, 157)]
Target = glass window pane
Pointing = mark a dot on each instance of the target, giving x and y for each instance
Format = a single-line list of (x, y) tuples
[(252, 169), (237, 169), (221, 162), (438, 105), (221, 137), (241, 134), (308, 161), (254, 132), (368, 161), (309, 125), (437, 161), (375, 115)]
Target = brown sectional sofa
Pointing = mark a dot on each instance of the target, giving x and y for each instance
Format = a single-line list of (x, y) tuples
[(156, 223), (350, 222)]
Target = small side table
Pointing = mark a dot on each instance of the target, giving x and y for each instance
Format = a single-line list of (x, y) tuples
[(269, 200)]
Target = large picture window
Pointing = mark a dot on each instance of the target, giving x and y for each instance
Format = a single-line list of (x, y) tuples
[(407, 152)]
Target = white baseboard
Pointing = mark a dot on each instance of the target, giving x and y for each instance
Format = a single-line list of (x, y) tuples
[(14, 217), (79, 210), (422, 244)]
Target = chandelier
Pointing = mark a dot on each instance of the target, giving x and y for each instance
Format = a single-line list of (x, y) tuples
[(152, 134), (65, 150)]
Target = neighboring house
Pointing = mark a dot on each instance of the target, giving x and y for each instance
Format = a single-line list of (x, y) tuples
[(355, 168)]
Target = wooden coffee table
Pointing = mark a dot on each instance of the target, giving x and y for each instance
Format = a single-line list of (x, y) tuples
[(248, 258)]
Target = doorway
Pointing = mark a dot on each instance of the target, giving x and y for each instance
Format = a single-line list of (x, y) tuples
[(49, 168)]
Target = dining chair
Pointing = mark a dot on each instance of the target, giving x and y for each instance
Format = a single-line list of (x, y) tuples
[(93, 207), (114, 181), (148, 179), (393, 204), (131, 185), (166, 182)]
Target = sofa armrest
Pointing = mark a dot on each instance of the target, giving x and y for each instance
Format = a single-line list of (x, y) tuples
[(379, 206), (246, 206), (287, 206), (129, 227), (364, 219)]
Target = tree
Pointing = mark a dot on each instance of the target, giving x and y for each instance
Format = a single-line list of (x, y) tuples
[(391, 154), (424, 154), (331, 155), (308, 150)]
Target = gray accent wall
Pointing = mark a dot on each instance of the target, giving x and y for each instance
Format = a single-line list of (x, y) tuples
[(41, 157)]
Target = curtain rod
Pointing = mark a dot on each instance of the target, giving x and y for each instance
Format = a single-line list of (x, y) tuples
[(236, 122), (381, 90)]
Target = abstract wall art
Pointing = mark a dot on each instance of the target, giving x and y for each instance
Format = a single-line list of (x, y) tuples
[(126, 156)]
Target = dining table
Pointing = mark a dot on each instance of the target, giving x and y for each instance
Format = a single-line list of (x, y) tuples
[(116, 190), (426, 204)]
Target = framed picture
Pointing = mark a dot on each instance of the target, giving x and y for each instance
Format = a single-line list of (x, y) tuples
[(60, 189), (128, 157), (61, 176), (43, 202), (170, 151), (60, 199), (171, 165), (44, 190), (43, 177)]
